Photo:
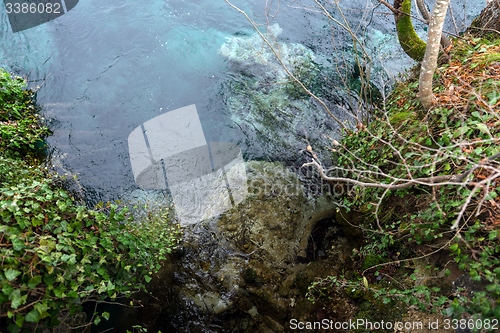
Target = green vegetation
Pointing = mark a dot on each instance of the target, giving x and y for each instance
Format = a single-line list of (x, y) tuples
[(451, 212), (20, 132), (309, 73), (56, 254)]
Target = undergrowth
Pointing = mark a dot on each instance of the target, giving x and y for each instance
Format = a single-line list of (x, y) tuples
[(457, 144), (21, 131), (55, 255)]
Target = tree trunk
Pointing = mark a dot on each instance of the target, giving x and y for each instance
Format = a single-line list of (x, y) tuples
[(413, 46), (488, 21), (429, 63), (422, 8)]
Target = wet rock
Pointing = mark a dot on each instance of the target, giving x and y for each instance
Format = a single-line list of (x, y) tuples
[(240, 272), (488, 21), (277, 218), (271, 110)]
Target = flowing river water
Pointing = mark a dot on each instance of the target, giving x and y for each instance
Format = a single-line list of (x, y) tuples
[(106, 67)]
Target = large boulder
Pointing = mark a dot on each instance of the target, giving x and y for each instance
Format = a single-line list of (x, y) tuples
[(488, 21), (249, 269)]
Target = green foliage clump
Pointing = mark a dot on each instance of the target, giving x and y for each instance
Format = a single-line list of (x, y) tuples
[(308, 72), (56, 254), (361, 294), (20, 131)]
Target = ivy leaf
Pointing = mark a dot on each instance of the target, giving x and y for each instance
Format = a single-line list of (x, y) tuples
[(105, 315), (33, 282), (59, 291), (101, 271), (8, 193), (102, 287), (32, 317), (483, 128), (50, 280), (7, 289), (11, 274), (493, 98), (41, 307), (16, 299), (110, 286), (17, 244), (19, 323), (62, 205), (69, 258)]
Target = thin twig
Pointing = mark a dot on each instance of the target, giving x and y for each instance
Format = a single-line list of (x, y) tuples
[(290, 74)]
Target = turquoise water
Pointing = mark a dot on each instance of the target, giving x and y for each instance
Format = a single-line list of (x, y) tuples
[(106, 67)]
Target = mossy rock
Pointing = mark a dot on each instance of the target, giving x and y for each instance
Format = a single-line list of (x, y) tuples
[(372, 260)]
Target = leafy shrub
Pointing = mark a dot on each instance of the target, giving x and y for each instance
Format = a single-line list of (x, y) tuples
[(55, 254), (20, 129), (460, 136)]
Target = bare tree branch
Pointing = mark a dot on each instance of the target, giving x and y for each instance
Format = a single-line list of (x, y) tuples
[(429, 181), (392, 9)]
